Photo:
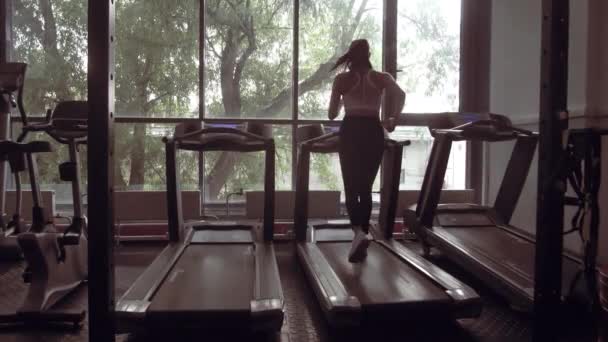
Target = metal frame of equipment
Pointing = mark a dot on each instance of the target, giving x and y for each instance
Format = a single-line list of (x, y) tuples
[(374, 290), (480, 238), (213, 275)]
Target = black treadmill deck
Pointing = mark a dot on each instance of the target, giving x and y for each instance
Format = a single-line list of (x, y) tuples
[(381, 279), (208, 283), (500, 258), (208, 278), (391, 284)]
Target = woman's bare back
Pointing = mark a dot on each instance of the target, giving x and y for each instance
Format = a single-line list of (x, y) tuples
[(361, 91)]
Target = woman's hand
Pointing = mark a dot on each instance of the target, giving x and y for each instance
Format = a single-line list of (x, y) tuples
[(389, 124)]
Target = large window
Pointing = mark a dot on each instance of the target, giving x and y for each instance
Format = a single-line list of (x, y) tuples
[(233, 64), (416, 157), (156, 59), (428, 60), (230, 172), (139, 160), (51, 36), (428, 54), (326, 30), (248, 53)]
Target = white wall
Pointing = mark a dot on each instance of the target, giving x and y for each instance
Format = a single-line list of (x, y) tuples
[(515, 82), (514, 91), (515, 56)]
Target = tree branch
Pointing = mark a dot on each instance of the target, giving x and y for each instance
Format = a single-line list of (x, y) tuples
[(160, 97), (320, 76)]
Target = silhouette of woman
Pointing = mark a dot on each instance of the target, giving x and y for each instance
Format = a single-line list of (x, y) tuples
[(360, 89)]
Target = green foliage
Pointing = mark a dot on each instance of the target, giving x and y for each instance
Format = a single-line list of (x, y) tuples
[(248, 59)]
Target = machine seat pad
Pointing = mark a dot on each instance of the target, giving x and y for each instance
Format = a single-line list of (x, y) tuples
[(7, 146)]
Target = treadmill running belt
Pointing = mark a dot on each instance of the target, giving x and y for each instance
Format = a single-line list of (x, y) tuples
[(382, 278), (504, 250), (208, 278)]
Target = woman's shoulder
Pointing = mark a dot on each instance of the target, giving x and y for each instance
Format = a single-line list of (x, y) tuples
[(344, 79), (381, 77), (344, 75)]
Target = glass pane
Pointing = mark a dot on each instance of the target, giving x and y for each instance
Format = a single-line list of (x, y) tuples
[(428, 54), (326, 173), (157, 58), (139, 158), (51, 37), (229, 172), (326, 30), (248, 57), (416, 157)]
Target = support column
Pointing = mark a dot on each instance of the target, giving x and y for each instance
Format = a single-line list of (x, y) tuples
[(6, 45), (551, 187), (100, 169), (475, 45)]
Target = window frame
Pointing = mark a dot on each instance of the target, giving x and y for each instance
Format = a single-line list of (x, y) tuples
[(472, 41)]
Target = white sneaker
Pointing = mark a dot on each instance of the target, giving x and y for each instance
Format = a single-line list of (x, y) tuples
[(358, 250)]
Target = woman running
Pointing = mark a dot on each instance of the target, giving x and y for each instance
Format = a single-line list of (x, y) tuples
[(360, 88)]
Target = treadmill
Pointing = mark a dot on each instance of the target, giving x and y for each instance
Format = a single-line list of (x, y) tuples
[(476, 237), (393, 283), (213, 275)]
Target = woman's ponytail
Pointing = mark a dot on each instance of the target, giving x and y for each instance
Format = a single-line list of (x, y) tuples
[(344, 59), (356, 56)]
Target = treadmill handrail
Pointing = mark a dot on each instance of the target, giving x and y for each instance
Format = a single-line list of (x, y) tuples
[(218, 130), (496, 130), (320, 139), (52, 132), (458, 135), (402, 143)]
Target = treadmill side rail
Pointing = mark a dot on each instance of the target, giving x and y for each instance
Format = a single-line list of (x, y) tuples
[(468, 302), (266, 314), (341, 308), (132, 307), (268, 301)]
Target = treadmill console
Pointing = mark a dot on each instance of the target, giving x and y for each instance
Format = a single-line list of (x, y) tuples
[(463, 215), (459, 119), (481, 126)]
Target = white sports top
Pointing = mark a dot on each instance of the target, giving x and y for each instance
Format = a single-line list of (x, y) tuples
[(364, 97), (362, 91)]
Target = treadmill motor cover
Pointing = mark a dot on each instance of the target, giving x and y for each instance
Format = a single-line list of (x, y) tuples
[(463, 217)]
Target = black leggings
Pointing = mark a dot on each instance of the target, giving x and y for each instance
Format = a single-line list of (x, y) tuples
[(361, 148)]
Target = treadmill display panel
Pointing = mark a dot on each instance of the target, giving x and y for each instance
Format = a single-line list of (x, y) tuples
[(470, 219)]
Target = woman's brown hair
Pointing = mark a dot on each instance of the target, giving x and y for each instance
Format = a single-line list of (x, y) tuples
[(357, 56)]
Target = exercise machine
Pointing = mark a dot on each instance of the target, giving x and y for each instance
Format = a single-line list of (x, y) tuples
[(213, 275), (393, 282), (11, 83), (480, 238), (56, 261)]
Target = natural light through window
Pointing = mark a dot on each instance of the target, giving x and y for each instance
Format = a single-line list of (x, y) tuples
[(247, 66)]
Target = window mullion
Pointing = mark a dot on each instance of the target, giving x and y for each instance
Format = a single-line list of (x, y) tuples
[(295, 67)]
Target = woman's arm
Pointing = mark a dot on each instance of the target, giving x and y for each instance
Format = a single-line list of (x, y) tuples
[(394, 98), (335, 102)]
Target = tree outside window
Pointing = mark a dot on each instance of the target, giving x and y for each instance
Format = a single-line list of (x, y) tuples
[(248, 53)]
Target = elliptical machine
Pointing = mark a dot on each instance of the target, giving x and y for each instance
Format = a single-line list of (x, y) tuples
[(56, 261), (11, 82)]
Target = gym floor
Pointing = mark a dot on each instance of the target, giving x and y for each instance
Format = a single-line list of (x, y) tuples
[(304, 320)]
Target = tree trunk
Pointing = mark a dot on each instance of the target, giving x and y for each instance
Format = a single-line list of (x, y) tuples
[(230, 82), (119, 178), (52, 56), (231, 95), (223, 167), (138, 147)]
